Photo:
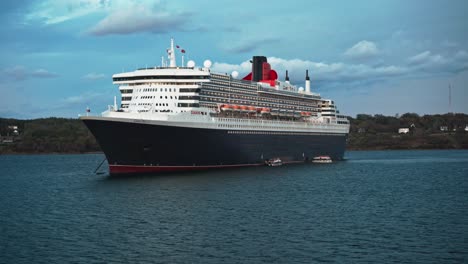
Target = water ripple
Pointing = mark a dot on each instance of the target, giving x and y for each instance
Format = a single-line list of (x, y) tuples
[(383, 206)]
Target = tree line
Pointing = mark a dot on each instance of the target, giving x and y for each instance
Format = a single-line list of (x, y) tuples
[(445, 131), (47, 135)]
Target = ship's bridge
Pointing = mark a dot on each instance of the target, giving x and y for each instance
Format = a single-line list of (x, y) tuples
[(175, 74), (160, 89)]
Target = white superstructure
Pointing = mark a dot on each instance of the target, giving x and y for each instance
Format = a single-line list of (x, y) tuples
[(196, 97)]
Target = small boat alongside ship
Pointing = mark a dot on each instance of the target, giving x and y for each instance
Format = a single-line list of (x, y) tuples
[(274, 162), (322, 159)]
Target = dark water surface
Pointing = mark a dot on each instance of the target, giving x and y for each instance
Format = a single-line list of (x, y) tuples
[(377, 207)]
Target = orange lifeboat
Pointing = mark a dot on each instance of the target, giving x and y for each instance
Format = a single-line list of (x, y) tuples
[(236, 107), (265, 110), (225, 107), (244, 108), (252, 108)]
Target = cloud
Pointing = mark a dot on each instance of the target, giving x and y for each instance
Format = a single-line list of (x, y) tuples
[(249, 46), (427, 57), (139, 19), (80, 99), (119, 16), (337, 72), (58, 11), (94, 76), (362, 50), (20, 73), (436, 63)]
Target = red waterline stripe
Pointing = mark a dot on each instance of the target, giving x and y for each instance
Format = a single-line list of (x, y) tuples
[(119, 169)]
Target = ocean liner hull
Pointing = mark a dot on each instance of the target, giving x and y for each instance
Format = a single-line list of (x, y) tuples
[(133, 147)]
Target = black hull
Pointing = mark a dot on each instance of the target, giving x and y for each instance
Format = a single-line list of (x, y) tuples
[(134, 147)]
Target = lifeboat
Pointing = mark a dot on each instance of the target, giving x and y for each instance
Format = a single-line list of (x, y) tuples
[(244, 108), (236, 107), (259, 109), (303, 113), (274, 112), (265, 110), (252, 108), (225, 107)]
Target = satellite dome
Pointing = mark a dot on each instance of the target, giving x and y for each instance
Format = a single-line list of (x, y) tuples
[(190, 63), (301, 89), (207, 63), (234, 74)]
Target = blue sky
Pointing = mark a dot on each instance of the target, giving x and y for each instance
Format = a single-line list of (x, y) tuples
[(375, 57)]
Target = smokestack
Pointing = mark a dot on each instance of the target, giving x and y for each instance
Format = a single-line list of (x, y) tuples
[(257, 67), (307, 83), (286, 79)]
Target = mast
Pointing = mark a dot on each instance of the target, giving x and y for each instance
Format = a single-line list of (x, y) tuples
[(450, 98), (172, 57)]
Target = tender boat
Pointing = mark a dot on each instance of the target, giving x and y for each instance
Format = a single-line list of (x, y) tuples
[(274, 162), (322, 159)]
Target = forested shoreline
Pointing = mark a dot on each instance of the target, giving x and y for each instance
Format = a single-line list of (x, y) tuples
[(368, 132)]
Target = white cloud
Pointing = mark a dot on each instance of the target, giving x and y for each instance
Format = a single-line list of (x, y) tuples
[(427, 57), (58, 11), (20, 73), (319, 71), (362, 50), (428, 62), (119, 16), (94, 76), (138, 19)]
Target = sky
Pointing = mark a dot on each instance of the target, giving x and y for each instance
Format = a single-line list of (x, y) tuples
[(374, 57)]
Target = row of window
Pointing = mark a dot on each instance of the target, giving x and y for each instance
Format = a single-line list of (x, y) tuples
[(228, 89), (189, 90), (257, 98), (260, 104), (188, 105), (160, 83), (195, 97), (152, 97), (157, 77), (296, 99), (234, 83), (283, 133)]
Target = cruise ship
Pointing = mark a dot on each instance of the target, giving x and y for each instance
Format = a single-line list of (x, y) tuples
[(188, 117)]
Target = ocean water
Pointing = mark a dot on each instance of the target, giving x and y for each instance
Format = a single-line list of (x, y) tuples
[(376, 207)]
